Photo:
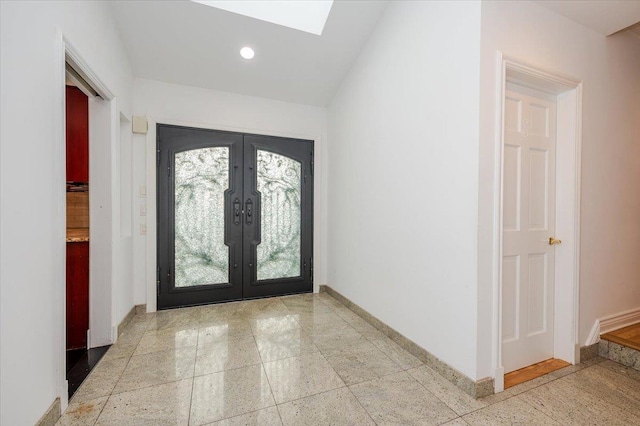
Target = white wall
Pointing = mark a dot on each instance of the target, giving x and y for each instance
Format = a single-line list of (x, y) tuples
[(610, 230), (32, 188), (195, 107), (403, 176), (122, 250)]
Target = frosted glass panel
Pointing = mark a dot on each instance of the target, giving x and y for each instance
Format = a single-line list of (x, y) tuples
[(280, 187), (201, 177)]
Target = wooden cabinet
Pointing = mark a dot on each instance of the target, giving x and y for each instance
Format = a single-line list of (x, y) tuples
[(77, 295), (77, 110)]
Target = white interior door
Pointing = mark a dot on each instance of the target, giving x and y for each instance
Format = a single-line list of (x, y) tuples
[(529, 191)]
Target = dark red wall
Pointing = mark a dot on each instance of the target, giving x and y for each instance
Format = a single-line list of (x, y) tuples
[(77, 135), (77, 295)]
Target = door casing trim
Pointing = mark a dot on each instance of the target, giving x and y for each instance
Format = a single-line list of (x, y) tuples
[(568, 171), (151, 240), (101, 321)]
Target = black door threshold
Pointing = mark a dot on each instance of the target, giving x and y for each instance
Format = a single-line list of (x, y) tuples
[(80, 362)]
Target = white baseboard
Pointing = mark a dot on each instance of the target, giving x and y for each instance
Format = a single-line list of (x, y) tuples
[(617, 321), (64, 396), (611, 323), (594, 334)]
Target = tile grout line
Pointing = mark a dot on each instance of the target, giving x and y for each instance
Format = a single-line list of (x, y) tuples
[(262, 363), (329, 390), (118, 381), (193, 377), (247, 320), (382, 338), (537, 409), (617, 364), (267, 376), (309, 396), (371, 343), (588, 390), (345, 385), (325, 358), (315, 394), (152, 386), (457, 418), (362, 406), (436, 396), (378, 377), (528, 390)]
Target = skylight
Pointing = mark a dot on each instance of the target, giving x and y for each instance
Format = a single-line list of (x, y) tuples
[(304, 15)]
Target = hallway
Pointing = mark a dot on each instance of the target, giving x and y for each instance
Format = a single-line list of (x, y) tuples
[(308, 360)]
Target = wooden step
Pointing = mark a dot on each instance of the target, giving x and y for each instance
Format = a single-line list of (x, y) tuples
[(628, 336), (622, 346)]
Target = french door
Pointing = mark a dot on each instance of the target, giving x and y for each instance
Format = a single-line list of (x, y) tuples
[(234, 216)]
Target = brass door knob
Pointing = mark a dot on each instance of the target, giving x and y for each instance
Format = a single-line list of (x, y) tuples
[(553, 241)]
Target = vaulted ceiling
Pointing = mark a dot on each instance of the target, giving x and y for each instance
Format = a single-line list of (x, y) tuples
[(192, 44), (184, 42)]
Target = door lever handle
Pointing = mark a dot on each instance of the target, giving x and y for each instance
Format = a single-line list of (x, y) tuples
[(236, 211), (248, 210), (553, 241)]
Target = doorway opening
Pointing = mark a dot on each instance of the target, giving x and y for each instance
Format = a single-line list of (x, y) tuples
[(81, 356), (83, 156), (235, 216), (536, 288), (77, 230)]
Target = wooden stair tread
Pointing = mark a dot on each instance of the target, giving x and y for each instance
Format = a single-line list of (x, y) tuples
[(627, 336)]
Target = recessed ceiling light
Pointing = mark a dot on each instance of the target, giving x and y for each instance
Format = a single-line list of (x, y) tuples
[(247, 52)]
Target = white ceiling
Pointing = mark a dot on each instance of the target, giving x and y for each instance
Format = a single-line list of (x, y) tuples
[(189, 43), (603, 16)]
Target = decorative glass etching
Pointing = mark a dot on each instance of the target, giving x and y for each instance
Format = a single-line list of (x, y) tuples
[(280, 187), (201, 178)]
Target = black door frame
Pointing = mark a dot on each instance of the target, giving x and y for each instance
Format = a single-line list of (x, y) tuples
[(243, 283)]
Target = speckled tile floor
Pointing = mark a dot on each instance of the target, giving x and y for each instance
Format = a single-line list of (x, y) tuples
[(307, 360)]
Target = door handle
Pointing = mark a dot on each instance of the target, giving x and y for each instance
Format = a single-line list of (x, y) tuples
[(553, 241), (248, 208), (236, 211)]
